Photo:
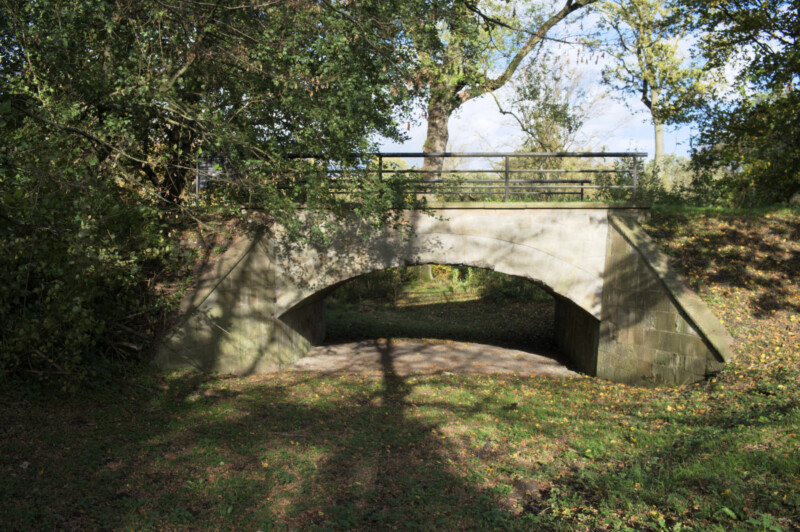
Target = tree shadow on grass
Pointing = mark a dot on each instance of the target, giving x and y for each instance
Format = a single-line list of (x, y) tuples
[(698, 475), (310, 452), (216, 452)]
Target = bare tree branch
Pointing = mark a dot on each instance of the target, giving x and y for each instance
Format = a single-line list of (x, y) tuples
[(535, 38)]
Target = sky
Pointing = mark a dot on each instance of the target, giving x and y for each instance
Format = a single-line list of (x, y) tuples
[(478, 126)]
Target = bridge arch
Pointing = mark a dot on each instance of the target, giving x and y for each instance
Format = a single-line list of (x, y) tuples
[(623, 314), (555, 274)]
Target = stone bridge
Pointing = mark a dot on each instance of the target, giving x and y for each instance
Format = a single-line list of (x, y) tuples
[(621, 314)]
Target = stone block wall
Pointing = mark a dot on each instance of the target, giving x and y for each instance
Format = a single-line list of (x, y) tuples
[(577, 334), (646, 335)]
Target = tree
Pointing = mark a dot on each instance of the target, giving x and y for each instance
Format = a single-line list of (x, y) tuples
[(647, 61), (142, 86), (749, 129), (106, 106), (461, 45), (549, 105)]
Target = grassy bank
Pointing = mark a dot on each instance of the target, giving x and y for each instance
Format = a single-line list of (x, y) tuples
[(446, 452)]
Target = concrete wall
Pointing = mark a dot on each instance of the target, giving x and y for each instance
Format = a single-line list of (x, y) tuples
[(577, 335), (308, 319), (230, 323), (562, 248)]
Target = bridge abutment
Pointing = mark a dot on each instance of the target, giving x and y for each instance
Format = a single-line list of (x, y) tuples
[(654, 329)]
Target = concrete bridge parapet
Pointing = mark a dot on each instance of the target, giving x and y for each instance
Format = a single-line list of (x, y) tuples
[(621, 313)]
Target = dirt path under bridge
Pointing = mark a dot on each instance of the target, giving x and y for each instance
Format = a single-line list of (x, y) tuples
[(427, 357)]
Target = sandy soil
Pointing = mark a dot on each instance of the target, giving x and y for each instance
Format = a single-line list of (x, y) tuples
[(407, 357)]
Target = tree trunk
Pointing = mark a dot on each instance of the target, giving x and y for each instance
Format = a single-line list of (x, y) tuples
[(435, 142), (658, 159), (437, 136), (658, 127)]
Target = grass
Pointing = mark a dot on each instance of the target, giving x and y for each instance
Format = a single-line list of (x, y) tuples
[(299, 451)]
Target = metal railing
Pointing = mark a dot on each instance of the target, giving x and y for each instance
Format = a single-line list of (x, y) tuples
[(516, 176), (506, 185)]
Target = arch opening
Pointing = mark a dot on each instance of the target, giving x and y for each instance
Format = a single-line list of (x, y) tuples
[(489, 321)]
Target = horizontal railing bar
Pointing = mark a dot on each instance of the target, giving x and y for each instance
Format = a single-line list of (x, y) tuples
[(512, 154), (357, 168), (528, 181), (501, 181), (531, 188), (445, 189), (493, 182), (565, 183), (473, 155), (491, 171)]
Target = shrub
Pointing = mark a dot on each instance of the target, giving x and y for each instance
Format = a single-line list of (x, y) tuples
[(77, 258)]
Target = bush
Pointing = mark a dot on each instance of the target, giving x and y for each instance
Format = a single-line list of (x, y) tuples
[(494, 285), (77, 257), (383, 284)]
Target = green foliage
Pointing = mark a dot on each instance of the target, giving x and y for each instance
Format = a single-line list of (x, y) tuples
[(550, 107), (675, 182), (749, 130), (498, 286), (384, 284), (392, 283), (74, 266), (649, 184), (647, 61), (147, 89), (754, 147), (105, 108)]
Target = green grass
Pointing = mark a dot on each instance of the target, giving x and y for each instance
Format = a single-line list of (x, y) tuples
[(299, 451), (756, 212)]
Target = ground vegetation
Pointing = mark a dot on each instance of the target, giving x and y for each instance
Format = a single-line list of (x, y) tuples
[(303, 450)]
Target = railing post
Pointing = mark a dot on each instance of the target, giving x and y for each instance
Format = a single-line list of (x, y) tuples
[(635, 175), (380, 167), (197, 180), (506, 180)]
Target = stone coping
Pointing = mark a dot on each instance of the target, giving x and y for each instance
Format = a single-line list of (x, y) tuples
[(689, 303), (499, 205)]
